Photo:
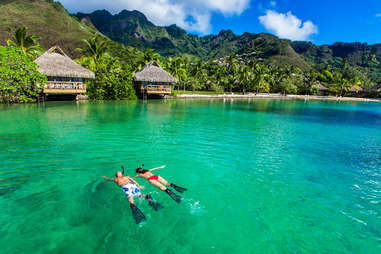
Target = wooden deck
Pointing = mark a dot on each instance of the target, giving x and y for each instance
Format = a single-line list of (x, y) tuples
[(156, 89), (64, 91), (158, 92), (62, 87)]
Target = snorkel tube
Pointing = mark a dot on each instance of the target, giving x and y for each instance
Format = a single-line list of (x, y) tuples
[(123, 168), (140, 169)]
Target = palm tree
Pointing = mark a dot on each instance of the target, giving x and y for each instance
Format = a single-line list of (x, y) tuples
[(177, 67), (198, 75), (244, 77), (221, 78), (233, 71), (96, 47), (344, 85), (28, 43), (150, 55), (134, 58), (308, 83), (261, 76)]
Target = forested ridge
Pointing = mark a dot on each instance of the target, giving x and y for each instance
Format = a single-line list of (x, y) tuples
[(116, 46)]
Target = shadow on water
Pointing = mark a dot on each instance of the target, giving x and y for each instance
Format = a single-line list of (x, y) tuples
[(111, 112), (325, 113), (10, 185), (94, 201)]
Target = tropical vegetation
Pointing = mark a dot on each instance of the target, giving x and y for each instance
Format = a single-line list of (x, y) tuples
[(235, 74), (113, 79), (28, 43), (134, 29), (19, 79), (114, 66)]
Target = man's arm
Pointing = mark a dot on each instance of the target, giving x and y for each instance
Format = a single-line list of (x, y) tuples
[(137, 184), (156, 168), (138, 175), (108, 179)]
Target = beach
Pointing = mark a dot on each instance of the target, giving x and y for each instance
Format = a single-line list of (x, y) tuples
[(269, 95)]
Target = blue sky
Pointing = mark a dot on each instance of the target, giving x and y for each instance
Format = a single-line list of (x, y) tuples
[(337, 20), (320, 21)]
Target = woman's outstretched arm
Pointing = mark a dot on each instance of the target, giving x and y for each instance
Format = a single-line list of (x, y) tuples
[(156, 168)]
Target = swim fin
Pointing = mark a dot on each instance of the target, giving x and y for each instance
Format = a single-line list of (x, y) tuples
[(138, 215), (175, 197), (155, 205), (178, 188)]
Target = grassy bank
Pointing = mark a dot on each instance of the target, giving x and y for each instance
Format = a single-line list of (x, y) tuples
[(198, 92)]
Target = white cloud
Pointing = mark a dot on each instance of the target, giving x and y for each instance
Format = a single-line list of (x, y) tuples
[(192, 15), (287, 25)]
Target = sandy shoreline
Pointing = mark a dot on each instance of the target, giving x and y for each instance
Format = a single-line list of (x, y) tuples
[(265, 95)]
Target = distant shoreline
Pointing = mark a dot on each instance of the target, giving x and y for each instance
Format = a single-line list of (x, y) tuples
[(265, 95)]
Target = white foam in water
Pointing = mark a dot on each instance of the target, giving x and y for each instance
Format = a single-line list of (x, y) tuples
[(195, 207)]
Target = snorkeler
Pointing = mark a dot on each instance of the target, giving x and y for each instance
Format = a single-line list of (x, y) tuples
[(159, 182), (131, 188)]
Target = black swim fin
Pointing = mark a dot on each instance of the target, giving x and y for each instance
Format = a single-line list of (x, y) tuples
[(178, 188), (175, 197), (155, 205), (138, 215)]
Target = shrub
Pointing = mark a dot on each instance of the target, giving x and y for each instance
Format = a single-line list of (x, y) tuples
[(20, 80)]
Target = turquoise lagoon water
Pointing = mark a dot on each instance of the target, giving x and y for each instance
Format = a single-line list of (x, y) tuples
[(264, 176)]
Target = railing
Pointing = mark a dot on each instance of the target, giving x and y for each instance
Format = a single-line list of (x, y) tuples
[(65, 85), (158, 88)]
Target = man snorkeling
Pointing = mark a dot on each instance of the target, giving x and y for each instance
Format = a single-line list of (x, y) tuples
[(132, 189), (159, 182)]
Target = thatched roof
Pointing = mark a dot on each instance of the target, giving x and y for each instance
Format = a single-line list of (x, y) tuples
[(55, 63), (152, 72), (321, 87), (356, 89)]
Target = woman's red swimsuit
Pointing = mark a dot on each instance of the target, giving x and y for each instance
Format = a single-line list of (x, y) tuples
[(154, 177)]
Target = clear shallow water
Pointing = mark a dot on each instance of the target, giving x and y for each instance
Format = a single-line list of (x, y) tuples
[(264, 176)]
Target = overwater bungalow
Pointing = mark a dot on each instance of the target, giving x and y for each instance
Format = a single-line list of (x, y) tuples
[(65, 77), (153, 80)]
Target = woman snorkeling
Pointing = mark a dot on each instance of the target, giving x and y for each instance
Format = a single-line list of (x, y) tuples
[(159, 182), (132, 189)]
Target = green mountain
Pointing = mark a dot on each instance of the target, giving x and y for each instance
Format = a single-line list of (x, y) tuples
[(362, 55), (46, 18), (55, 26), (134, 29)]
